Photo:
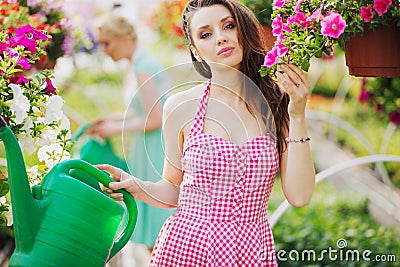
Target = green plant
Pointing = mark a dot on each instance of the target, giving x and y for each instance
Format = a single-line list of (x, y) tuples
[(339, 221), (311, 28), (262, 9), (383, 95)]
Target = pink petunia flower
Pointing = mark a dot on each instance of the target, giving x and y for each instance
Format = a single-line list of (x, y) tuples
[(278, 4), (19, 79), (22, 40), (316, 15), (297, 7), (271, 58), (277, 25), (364, 96), (12, 53), (282, 50), (36, 34), (381, 6), (3, 47), (366, 13), (281, 38), (24, 63), (333, 25), (300, 19), (50, 89)]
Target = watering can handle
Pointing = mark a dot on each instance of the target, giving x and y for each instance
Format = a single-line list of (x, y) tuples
[(105, 179)]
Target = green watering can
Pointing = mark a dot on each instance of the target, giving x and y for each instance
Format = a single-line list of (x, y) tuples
[(98, 152), (67, 220)]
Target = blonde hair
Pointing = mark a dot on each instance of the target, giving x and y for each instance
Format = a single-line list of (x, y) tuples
[(117, 26)]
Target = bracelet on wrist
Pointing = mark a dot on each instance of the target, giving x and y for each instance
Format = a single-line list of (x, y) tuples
[(297, 140)]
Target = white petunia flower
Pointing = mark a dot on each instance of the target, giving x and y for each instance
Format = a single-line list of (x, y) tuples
[(27, 143), (48, 137), (54, 109), (9, 216), (25, 140), (20, 103), (34, 175), (52, 155), (28, 125), (65, 123)]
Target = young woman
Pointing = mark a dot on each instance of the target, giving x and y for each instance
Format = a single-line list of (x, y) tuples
[(143, 90), (224, 142)]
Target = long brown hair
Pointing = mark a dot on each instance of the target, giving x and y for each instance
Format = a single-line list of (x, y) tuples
[(251, 39)]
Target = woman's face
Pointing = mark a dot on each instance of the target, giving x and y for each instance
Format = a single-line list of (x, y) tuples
[(214, 35), (114, 47)]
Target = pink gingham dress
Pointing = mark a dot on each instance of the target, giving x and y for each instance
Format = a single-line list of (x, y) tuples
[(221, 218)]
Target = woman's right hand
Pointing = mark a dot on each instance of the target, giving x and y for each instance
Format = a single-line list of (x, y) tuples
[(123, 180)]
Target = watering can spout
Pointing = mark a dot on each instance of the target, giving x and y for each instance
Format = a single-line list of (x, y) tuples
[(20, 192)]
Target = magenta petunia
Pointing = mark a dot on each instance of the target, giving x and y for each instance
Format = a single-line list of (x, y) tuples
[(277, 25), (364, 96), (299, 19), (333, 25), (394, 117), (297, 7), (24, 63), (271, 58), (278, 4), (381, 6), (282, 50), (22, 40), (366, 13), (3, 47), (36, 34), (50, 89), (12, 53), (316, 15), (19, 79)]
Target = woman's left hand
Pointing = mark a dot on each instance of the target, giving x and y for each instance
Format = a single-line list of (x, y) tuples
[(294, 81), (105, 128)]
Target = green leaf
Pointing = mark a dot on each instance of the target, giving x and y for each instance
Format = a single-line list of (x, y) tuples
[(4, 187), (305, 65), (263, 71), (318, 54)]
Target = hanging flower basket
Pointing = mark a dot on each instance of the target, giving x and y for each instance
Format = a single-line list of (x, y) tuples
[(375, 53)]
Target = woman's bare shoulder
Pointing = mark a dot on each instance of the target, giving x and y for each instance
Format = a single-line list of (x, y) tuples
[(182, 102)]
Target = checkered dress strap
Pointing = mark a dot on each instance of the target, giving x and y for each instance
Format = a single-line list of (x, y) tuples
[(197, 126)]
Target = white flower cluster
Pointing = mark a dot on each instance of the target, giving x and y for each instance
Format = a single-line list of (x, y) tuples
[(51, 116)]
